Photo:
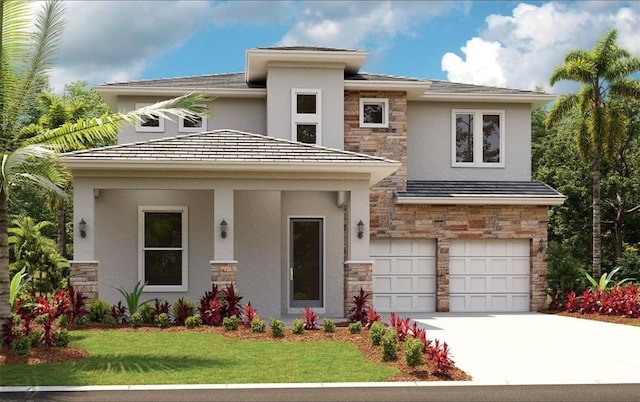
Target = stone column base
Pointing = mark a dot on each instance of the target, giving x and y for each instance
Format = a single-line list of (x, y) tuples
[(224, 273), (84, 278), (357, 274)]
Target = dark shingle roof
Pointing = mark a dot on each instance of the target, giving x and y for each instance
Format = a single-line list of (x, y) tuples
[(222, 146), (230, 80), (310, 48), (446, 87), (432, 188), (381, 77)]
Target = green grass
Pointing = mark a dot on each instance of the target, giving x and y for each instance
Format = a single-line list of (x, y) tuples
[(128, 357)]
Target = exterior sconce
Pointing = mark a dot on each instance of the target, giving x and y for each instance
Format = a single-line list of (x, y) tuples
[(360, 229), (541, 245), (223, 229), (82, 227)]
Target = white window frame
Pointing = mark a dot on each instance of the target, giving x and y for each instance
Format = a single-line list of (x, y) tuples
[(140, 128), (306, 118), (184, 287), (385, 114), (477, 138), (183, 129)]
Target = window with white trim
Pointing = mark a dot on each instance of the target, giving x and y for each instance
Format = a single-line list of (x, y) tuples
[(162, 240), (477, 138), (306, 115), (152, 123), (374, 112), (192, 124)]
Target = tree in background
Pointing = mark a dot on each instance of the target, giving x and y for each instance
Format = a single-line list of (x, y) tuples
[(600, 130)]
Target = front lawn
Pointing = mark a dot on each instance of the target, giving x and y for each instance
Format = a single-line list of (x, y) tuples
[(191, 357)]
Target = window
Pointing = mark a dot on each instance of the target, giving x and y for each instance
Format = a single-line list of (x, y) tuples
[(162, 237), (149, 123), (478, 138), (374, 112), (306, 115), (193, 124)]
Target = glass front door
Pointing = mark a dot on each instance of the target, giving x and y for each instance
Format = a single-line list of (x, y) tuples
[(306, 262)]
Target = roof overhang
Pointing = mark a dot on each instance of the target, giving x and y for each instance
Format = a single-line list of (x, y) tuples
[(534, 99), (257, 60), (374, 172), (485, 199), (415, 89)]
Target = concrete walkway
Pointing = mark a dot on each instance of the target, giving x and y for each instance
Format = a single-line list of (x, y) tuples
[(534, 348)]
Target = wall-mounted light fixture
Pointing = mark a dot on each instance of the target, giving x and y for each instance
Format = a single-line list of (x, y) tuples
[(360, 229), (541, 245), (223, 229), (82, 227)]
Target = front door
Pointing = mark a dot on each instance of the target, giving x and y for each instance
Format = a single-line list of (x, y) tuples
[(306, 263)]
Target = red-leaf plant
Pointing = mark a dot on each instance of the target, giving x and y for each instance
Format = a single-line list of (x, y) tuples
[(570, 302), (182, 311), (440, 356), (421, 334), (232, 302), (401, 326), (119, 312), (52, 311), (78, 301), (161, 306), (26, 315), (372, 317), (212, 315), (248, 314), (310, 319), (358, 312), (205, 306)]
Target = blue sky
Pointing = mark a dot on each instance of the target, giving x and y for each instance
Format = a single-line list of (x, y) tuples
[(501, 43)]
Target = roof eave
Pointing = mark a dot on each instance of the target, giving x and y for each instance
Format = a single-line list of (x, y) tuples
[(484, 200), (535, 100), (415, 90)]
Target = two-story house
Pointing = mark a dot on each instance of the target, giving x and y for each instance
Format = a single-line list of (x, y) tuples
[(313, 179)]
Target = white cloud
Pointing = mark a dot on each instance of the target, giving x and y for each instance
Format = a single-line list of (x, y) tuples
[(521, 50)]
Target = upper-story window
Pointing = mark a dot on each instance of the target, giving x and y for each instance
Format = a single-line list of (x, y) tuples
[(306, 115), (192, 124), (478, 138), (151, 123), (374, 112)]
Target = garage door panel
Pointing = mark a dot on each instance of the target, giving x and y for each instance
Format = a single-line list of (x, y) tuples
[(382, 284), (405, 284), (406, 303), (488, 302)]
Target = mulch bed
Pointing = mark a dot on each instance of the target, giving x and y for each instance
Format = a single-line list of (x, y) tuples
[(422, 372)]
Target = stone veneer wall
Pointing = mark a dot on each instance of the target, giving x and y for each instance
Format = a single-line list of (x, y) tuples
[(357, 275), (224, 274), (440, 222), (83, 276)]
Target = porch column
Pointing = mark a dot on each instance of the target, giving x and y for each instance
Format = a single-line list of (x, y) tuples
[(83, 274), (224, 267), (358, 269)]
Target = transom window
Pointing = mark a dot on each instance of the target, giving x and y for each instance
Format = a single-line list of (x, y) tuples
[(151, 123), (374, 112), (306, 115), (478, 138), (162, 237)]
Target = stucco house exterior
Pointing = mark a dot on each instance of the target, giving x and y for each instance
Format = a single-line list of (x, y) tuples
[(311, 180)]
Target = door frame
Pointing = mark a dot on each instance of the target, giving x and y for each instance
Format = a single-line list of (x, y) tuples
[(299, 310)]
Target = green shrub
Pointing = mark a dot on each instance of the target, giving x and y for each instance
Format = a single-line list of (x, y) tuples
[(61, 321), (35, 338), (81, 322), (98, 309), (162, 320), (328, 325), (136, 320), (629, 263), (298, 326), (230, 323), (377, 332), (61, 338), (193, 321), (21, 346), (413, 352), (564, 274), (258, 325), (109, 322), (355, 327), (148, 313), (390, 345), (41, 319), (277, 328)]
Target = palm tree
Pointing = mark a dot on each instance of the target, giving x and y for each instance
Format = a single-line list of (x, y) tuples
[(28, 159), (604, 74)]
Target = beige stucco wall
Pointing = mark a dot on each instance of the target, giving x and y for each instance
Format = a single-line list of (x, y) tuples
[(429, 143), (330, 81), (244, 114)]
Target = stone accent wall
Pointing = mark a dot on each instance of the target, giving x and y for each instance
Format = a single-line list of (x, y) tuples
[(357, 275), (83, 277), (224, 273)]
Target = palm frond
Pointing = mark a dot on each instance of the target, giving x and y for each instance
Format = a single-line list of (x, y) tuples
[(560, 109)]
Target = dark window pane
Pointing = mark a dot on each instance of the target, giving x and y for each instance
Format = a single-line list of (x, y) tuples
[(193, 122), (491, 138), (307, 260), (163, 229), (464, 137), (163, 267), (306, 104), (150, 121), (306, 133), (373, 113)]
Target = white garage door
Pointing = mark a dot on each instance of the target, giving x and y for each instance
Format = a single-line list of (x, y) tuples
[(404, 275), (489, 275)]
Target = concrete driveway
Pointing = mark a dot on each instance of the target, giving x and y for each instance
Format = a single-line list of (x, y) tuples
[(534, 348)]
